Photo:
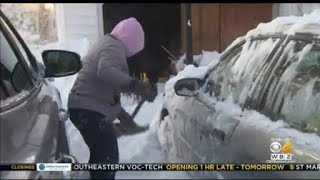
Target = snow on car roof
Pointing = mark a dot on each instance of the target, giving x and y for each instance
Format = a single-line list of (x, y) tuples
[(308, 23), (287, 25)]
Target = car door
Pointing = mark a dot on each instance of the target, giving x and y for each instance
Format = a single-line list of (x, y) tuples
[(29, 110), (191, 117), (230, 85), (293, 96)]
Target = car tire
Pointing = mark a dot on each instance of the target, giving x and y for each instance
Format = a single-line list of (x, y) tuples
[(62, 148), (63, 145)]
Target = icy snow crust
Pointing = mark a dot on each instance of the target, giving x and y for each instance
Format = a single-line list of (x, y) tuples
[(282, 25), (203, 59), (309, 23)]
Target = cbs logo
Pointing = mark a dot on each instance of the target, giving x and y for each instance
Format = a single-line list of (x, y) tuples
[(276, 147)]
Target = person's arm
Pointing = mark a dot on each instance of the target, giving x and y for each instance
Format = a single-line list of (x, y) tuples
[(111, 61), (109, 67)]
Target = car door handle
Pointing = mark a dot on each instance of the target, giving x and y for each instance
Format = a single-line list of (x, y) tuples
[(215, 134), (219, 134)]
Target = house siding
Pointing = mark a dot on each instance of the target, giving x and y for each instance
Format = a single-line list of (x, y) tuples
[(295, 9), (78, 21)]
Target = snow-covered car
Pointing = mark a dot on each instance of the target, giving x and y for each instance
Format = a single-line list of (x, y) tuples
[(32, 118), (263, 90)]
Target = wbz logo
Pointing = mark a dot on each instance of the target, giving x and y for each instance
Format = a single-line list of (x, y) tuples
[(283, 156), (281, 152)]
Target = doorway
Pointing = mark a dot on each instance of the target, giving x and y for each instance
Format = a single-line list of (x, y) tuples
[(161, 23)]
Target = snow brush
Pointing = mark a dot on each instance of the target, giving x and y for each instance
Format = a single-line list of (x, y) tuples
[(142, 101), (134, 128)]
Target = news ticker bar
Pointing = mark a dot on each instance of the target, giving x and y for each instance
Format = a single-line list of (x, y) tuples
[(158, 167)]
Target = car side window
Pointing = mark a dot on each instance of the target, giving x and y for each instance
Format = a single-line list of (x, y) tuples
[(21, 49), (14, 78), (215, 82), (294, 93), (239, 71)]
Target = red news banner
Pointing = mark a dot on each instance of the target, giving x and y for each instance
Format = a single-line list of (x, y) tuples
[(159, 167)]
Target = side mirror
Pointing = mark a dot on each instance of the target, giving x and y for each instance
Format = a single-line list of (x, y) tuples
[(18, 79), (61, 63), (188, 86)]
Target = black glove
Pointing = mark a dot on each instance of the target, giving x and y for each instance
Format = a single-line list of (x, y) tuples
[(144, 89), (125, 117)]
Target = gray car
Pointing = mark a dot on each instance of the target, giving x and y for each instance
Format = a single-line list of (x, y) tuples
[(32, 118), (260, 101)]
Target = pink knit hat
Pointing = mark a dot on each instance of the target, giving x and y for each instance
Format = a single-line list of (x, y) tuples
[(131, 34)]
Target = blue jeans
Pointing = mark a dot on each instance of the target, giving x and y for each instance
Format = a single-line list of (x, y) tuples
[(99, 134)]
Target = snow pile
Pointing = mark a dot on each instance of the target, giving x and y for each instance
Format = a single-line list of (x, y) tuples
[(180, 65), (309, 23), (209, 58), (203, 59)]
